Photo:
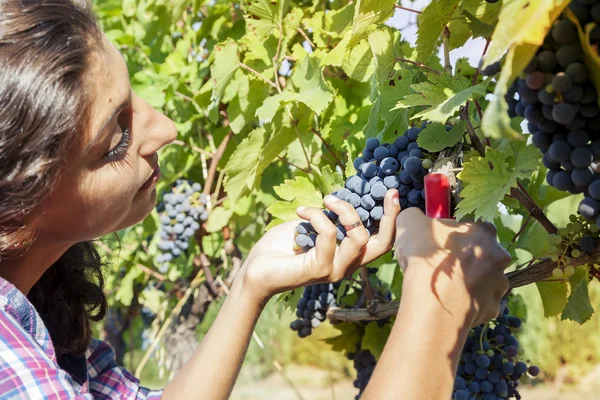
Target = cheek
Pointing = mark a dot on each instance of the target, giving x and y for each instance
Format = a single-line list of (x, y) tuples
[(94, 207)]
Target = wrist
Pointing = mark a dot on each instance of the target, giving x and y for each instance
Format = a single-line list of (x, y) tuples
[(435, 289), (250, 290)]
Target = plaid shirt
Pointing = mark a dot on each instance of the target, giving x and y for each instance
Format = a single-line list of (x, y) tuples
[(29, 368)]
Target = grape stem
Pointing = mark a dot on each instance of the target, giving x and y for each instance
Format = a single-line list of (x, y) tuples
[(216, 157), (418, 64), (446, 46), (521, 229), (364, 274), (261, 76), (398, 6), (285, 160)]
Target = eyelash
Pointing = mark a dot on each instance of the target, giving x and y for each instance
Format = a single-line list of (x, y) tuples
[(121, 148)]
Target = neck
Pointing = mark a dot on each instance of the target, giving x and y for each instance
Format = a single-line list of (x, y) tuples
[(26, 270)]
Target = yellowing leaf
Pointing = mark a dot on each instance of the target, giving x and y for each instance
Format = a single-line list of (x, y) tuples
[(521, 22)]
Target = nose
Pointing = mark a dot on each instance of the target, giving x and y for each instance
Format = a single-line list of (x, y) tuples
[(157, 131)]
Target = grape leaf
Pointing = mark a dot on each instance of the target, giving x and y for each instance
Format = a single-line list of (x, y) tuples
[(358, 62), (435, 138), (444, 93), (489, 179), (350, 335), (336, 56), (312, 90), (375, 338), (554, 297), (434, 18), (327, 180), (240, 167), (383, 45), (241, 110), (370, 12), (218, 218), (295, 193), (578, 308), (223, 68), (534, 239)]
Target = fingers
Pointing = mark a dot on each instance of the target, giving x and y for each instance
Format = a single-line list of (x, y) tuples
[(347, 215), (353, 246), (326, 238), (383, 241)]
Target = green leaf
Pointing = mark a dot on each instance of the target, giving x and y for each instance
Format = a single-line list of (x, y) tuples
[(395, 121), (241, 170), (218, 219), (432, 21), (579, 307), (295, 193), (370, 12), (336, 56), (327, 180), (435, 138), (444, 93), (554, 297), (383, 45), (478, 27), (534, 239), (313, 91), (241, 110), (488, 179), (223, 68), (358, 63), (350, 335), (375, 338)]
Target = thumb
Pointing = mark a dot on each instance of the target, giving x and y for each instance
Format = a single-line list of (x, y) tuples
[(407, 222)]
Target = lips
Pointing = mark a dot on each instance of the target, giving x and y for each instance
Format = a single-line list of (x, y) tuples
[(153, 179)]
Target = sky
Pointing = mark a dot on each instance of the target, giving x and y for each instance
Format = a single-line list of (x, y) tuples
[(471, 50)]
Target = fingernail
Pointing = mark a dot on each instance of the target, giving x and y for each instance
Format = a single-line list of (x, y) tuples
[(300, 209), (331, 199), (396, 198)]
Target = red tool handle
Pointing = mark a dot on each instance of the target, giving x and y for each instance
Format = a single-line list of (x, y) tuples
[(437, 196)]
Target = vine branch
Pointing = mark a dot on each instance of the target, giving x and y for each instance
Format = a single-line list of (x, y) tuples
[(398, 6), (316, 132), (261, 76), (538, 271)]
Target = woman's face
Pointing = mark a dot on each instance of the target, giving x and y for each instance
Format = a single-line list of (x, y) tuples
[(108, 182)]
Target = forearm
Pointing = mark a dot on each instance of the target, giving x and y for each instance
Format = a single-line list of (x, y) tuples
[(213, 369), (421, 355)]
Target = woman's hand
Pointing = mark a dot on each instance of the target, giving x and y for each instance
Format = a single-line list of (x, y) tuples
[(462, 263), (273, 266)]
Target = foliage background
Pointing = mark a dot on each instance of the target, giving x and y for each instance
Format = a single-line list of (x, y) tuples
[(272, 101)]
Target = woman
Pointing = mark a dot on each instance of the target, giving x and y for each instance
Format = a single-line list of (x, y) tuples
[(78, 160)]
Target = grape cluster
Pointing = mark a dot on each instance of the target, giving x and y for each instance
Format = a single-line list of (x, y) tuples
[(491, 367), (401, 165), (180, 213), (588, 11), (312, 307), (578, 236), (364, 364), (559, 101)]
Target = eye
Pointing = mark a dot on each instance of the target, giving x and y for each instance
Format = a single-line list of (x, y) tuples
[(120, 149)]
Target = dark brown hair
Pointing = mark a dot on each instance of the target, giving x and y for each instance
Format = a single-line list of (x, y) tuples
[(45, 50)]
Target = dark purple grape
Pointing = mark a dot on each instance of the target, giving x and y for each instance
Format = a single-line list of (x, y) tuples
[(536, 80), (564, 113), (561, 82)]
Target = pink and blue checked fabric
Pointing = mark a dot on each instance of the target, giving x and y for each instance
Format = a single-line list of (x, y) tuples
[(29, 368)]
